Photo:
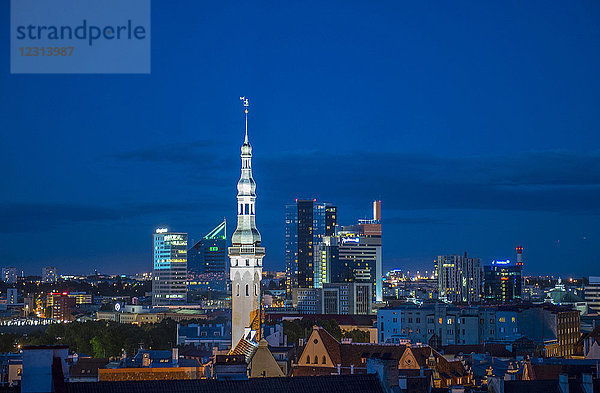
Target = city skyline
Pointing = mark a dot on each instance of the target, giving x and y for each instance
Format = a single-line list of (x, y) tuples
[(474, 139)]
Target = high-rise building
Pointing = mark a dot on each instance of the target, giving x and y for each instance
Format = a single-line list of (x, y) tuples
[(245, 254), (358, 252), (207, 260), (11, 296), (503, 280), (9, 275), (592, 294), (327, 254), (360, 259), (306, 223), (62, 307), (169, 275), (459, 278), (49, 274)]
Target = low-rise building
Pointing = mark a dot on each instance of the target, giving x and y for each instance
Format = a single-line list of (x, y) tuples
[(205, 335), (343, 298), (324, 355)]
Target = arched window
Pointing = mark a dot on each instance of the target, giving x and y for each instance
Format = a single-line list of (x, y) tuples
[(316, 359), (255, 289), (308, 359), (324, 360), (247, 293), (238, 289)]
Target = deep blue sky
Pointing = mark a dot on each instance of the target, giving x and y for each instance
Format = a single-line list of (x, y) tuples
[(476, 123)]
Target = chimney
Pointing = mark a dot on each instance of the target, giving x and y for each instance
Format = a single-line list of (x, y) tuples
[(175, 356), (587, 384), (520, 256), (377, 210), (563, 383)]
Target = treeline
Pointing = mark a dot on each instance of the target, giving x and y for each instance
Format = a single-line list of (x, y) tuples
[(302, 328), (100, 339)]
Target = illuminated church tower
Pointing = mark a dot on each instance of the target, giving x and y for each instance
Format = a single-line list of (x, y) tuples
[(245, 254)]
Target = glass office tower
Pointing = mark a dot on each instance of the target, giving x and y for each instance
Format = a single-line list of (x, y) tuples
[(169, 276)]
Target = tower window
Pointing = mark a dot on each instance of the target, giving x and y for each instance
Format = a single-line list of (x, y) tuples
[(247, 293), (238, 289)]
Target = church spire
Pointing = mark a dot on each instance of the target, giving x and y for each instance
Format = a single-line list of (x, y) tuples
[(246, 232), (245, 101), (245, 253)]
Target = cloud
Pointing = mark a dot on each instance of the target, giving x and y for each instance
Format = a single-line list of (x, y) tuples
[(538, 181), (32, 217), (198, 153)]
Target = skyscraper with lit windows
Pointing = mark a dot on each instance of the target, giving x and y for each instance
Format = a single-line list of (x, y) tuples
[(207, 260), (306, 223), (169, 276)]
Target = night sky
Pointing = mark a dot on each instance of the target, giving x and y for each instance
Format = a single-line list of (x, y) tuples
[(476, 123)]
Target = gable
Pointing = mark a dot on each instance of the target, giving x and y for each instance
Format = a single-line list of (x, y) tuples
[(408, 360), (315, 349)]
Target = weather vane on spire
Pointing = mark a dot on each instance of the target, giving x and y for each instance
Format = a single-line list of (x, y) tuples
[(245, 102)]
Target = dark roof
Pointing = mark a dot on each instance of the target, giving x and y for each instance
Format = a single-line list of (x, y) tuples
[(494, 349), (86, 367), (354, 353), (322, 384), (341, 319), (331, 345), (553, 371), (541, 386)]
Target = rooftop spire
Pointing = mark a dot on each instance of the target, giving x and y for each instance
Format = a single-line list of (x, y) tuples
[(245, 102)]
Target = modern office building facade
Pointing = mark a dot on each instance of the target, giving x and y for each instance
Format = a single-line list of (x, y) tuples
[(334, 298), (460, 279), (306, 223), (352, 255), (169, 276), (11, 296), (592, 293), (502, 282), (360, 259), (326, 258), (207, 260), (49, 274)]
